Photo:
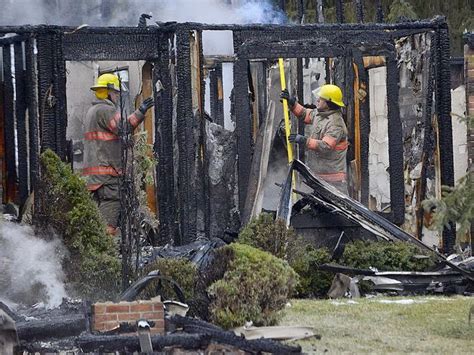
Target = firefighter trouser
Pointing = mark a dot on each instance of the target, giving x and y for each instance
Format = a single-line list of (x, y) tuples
[(108, 200)]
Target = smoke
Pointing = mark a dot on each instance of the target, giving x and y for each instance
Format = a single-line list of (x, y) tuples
[(31, 267), (127, 12)]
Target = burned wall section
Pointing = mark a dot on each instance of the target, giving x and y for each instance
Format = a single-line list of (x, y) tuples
[(348, 41), (185, 207), (314, 41), (415, 60), (19, 104)]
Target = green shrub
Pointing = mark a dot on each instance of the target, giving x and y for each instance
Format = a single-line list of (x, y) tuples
[(274, 237), (305, 260), (180, 270), (255, 287), (65, 205), (267, 234), (395, 256)]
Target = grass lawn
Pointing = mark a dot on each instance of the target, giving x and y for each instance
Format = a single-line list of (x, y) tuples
[(386, 324)]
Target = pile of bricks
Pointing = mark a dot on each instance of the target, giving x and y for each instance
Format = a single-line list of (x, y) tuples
[(108, 315)]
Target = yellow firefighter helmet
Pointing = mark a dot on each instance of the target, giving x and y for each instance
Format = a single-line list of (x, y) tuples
[(331, 93)]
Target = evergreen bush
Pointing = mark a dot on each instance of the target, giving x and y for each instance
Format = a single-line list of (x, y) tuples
[(267, 234), (385, 256), (66, 206), (274, 237), (305, 260), (180, 270), (255, 286)]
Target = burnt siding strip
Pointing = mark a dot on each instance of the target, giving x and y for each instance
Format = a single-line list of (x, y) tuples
[(20, 113), (9, 129), (32, 101), (59, 90), (443, 107), (163, 147), (185, 141), (243, 127), (45, 44), (395, 148)]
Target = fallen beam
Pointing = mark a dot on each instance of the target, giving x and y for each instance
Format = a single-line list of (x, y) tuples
[(194, 326), (122, 343), (59, 327)]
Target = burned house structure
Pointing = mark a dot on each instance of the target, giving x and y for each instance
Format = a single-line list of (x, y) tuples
[(209, 171)]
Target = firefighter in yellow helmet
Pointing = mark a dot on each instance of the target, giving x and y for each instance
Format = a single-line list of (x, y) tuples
[(102, 148), (326, 134)]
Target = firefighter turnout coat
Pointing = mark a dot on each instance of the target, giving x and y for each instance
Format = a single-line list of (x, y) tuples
[(102, 147), (326, 144)]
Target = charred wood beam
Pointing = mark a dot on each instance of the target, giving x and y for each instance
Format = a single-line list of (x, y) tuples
[(9, 130), (317, 37), (359, 10), (294, 49), (243, 126), (59, 90), (130, 343), (203, 156), (32, 100), (379, 16), (119, 46), (216, 95), (219, 335), (429, 25), (300, 95), (163, 147), (20, 113), (443, 108), (47, 96), (340, 11), (301, 11), (187, 201), (348, 86), (59, 327), (395, 143)]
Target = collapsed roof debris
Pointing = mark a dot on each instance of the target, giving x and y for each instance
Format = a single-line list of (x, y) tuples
[(68, 328), (338, 203)]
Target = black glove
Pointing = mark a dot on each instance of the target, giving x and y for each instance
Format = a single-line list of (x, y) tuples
[(146, 104), (286, 95), (297, 138)]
